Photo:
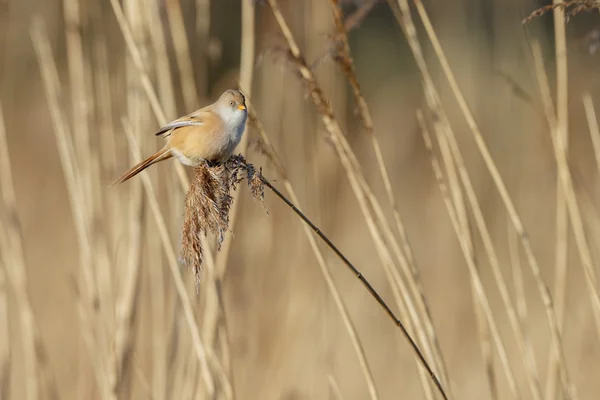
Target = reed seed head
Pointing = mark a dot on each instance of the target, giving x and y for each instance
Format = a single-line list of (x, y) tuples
[(208, 202)]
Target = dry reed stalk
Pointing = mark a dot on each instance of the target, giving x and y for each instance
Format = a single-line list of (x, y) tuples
[(202, 40), (269, 150), (137, 59), (101, 374), (459, 207), (88, 155), (11, 248), (565, 183), (93, 330), (367, 200), (160, 334), (561, 128), (485, 344), (352, 22), (526, 351), (410, 268), (143, 380), (453, 164), (87, 160), (357, 182), (76, 70), (103, 101), (197, 391), (443, 129), (163, 79), (339, 302), (369, 204), (159, 113), (520, 296), (204, 355), (179, 358), (77, 85), (182, 54), (501, 186), (189, 378), (226, 351), (105, 125), (248, 44), (213, 312), (459, 204), (592, 121), (160, 331), (5, 347), (465, 244), (517, 274), (127, 285), (162, 68), (335, 387), (128, 292)]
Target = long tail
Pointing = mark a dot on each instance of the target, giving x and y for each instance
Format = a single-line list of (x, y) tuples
[(162, 154)]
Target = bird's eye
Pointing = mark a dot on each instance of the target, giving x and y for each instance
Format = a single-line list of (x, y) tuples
[(231, 103)]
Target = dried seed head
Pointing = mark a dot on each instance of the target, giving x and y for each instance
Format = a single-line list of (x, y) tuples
[(571, 8), (207, 205)]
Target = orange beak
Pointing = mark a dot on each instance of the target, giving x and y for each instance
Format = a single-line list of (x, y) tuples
[(242, 107)]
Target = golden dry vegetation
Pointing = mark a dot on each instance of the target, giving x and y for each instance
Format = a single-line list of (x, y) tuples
[(487, 247)]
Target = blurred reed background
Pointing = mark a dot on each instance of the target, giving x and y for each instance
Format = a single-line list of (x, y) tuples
[(495, 275)]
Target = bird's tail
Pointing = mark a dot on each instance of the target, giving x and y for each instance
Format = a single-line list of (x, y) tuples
[(162, 154)]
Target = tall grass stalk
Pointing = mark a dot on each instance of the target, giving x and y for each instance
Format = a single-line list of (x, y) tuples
[(94, 332), (406, 260), (561, 128), (13, 258), (4, 335), (502, 189), (343, 151), (247, 61), (592, 121), (574, 212), (183, 54), (201, 351)]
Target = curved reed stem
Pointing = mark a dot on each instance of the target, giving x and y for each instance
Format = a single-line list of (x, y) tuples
[(362, 280)]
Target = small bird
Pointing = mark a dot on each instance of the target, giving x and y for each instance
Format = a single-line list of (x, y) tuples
[(207, 135)]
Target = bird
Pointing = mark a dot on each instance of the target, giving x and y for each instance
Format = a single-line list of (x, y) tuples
[(206, 136)]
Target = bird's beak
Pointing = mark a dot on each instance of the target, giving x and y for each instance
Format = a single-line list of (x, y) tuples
[(242, 107)]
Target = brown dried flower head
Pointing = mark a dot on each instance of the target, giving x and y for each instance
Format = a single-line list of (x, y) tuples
[(571, 8), (208, 202)]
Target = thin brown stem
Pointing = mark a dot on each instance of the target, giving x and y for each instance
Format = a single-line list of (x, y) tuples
[(201, 351), (358, 348), (592, 120), (542, 286), (182, 54), (4, 335), (353, 171), (211, 318), (561, 128), (363, 280), (407, 262), (13, 257)]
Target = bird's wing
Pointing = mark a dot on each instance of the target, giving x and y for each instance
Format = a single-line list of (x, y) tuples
[(194, 119)]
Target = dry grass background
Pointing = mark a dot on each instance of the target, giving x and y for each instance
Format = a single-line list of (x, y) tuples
[(93, 303)]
